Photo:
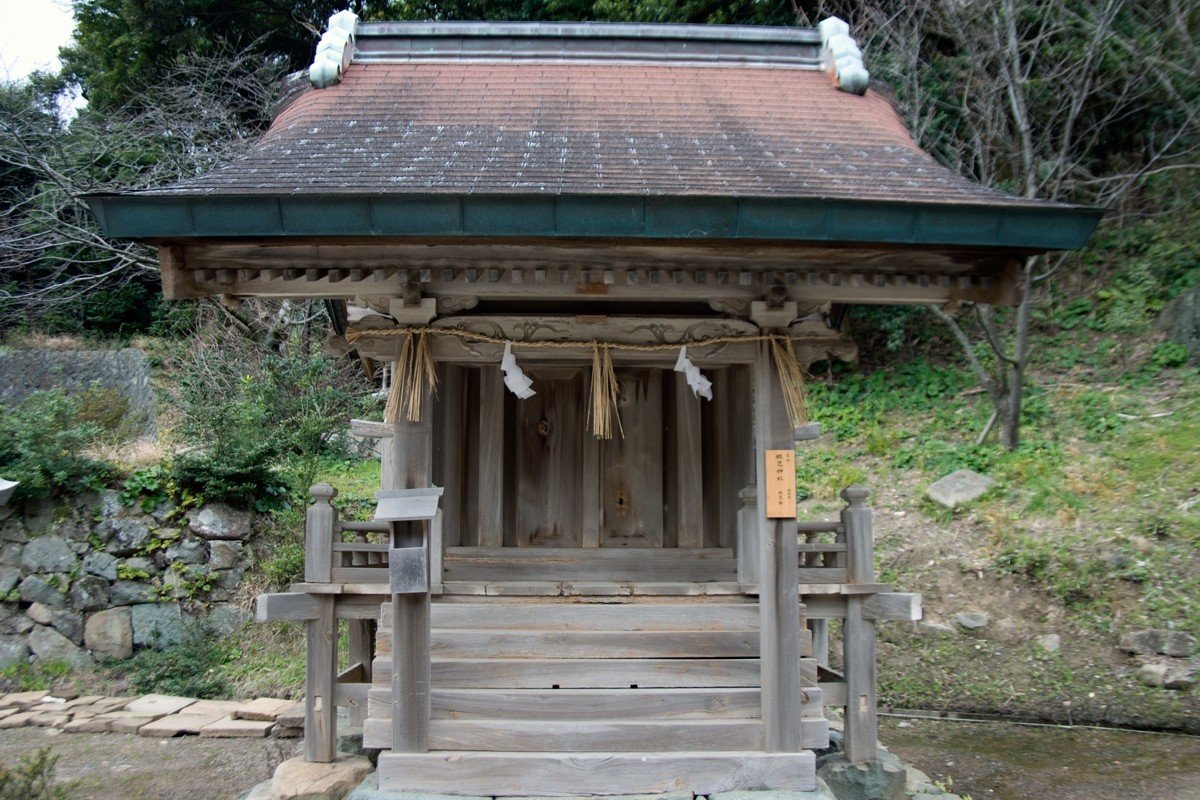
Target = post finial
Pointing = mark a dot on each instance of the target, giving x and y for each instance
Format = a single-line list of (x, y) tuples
[(322, 492), (856, 494)]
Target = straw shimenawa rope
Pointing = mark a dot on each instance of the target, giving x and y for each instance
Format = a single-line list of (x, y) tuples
[(414, 372)]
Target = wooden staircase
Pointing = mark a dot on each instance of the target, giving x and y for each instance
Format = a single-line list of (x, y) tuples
[(642, 695)]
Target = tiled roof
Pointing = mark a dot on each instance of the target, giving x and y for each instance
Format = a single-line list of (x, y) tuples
[(586, 127)]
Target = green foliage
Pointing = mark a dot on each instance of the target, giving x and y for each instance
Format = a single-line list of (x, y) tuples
[(1168, 355), (42, 445), (192, 668), (128, 573), (148, 487), (285, 565), (34, 677), (31, 778)]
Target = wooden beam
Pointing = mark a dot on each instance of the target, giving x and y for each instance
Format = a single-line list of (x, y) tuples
[(290, 606), (489, 460), (319, 527), (320, 704), (779, 601), (904, 606)]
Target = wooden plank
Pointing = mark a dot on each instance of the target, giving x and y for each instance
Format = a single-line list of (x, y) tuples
[(576, 736), (584, 704), (858, 658), (779, 602), (463, 643), (601, 673), (821, 575), (489, 459), (355, 696), (453, 461), (377, 574), (564, 564), (371, 429), (548, 774), (292, 606), (904, 606), (320, 705), (552, 461), (834, 693), (687, 467), (597, 616), (734, 450), (631, 465)]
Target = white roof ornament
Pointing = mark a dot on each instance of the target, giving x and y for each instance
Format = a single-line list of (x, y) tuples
[(334, 51), (840, 56)]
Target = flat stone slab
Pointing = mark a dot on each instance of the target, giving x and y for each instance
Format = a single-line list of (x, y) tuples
[(22, 699), (127, 721), (50, 719), (293, 717), (237, 729), (296, 778), (221, 708), (264, 708), (18, 720), (820, 793), (369, 790), (178, 724), (959, 487), (159, 704), (87, 725)]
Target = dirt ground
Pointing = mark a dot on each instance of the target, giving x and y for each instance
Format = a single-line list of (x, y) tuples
[(105, 766), (1016, 762)]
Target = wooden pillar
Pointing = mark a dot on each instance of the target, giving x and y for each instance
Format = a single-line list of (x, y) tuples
[(320, 705), (858, 634), (490, 459), (412, 448), (320, 525), (779, 601), (687, 462)]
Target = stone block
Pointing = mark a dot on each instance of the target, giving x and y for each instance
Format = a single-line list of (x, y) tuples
[(225, 619), (158, 705), (48, 644), (237, 729), (157, 624), (224, 555), (127, 593), (38, 589), (68, 623), (1149, 641), (369, 790), (22, 700), (88, 593), (125, 722), (262, 791), (188, 551), (18, 720), (882, 779), (87, 724), (128, 536), (9, 578), (178, 724), (110, 633), (296, 779), (972, 620), (12, 621), (13, 651), (219, 521), (959, 487), (219, 708), (101, 564), (264, 708), (48, 554), (292, 716)]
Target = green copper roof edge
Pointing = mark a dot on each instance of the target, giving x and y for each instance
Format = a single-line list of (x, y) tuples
[(1033, 228)]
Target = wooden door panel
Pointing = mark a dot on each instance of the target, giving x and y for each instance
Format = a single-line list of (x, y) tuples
[(554, 459), (631, 468)]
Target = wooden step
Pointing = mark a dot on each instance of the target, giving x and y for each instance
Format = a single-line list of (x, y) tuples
[(464, 643), (573, 563), (568, 616), (540, 773), (541, 673), (579, 736), (582, 704), (646, 673), (576, 736)]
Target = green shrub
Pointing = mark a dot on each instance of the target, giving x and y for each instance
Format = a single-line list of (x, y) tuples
[(32, 778), (148, 487), (286, 564), (1168, 355), (42, 441), (240, 475), (191, 668)]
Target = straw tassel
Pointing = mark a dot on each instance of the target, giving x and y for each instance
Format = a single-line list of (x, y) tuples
[(605, 391), (413, 375), (791, 378)]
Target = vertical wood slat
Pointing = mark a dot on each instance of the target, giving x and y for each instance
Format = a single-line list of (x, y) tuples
[(554, 464), (631, 465), (734, 449), (748, 556), (320, 706), (452, 447), (489, 519), (410, 618), (858, 633), (361, 651), (687, 467), (779, 601), (320, 525)]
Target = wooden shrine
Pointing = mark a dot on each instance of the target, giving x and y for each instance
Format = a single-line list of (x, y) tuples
[(597, 257)]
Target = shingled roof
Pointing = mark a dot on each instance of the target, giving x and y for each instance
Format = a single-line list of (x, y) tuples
[(592, 111)]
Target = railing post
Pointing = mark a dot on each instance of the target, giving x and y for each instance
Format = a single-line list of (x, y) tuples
[(858, 634), (319, 528)]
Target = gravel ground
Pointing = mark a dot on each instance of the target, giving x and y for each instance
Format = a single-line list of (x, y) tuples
[(105, 766)]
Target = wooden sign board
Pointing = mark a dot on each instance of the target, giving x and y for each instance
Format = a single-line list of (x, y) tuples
[(781, 484)]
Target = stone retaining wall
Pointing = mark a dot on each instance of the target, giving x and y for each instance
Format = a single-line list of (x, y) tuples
[(23, 372), (89, 577)]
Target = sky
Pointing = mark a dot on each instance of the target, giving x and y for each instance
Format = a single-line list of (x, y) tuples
[(31, 31)]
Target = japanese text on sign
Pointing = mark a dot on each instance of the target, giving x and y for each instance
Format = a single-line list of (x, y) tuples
[(781, 484)]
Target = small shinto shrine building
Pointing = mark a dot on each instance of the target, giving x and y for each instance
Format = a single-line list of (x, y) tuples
[(599, 258)]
